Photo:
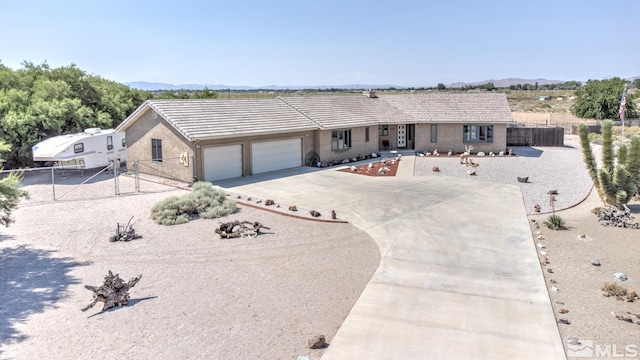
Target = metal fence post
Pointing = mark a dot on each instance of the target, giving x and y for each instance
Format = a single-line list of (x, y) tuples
[(136, 175), (53, 183), (116, 165)]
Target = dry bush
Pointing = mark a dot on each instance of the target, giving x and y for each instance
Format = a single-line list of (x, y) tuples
[(205, 200), (614, 289)]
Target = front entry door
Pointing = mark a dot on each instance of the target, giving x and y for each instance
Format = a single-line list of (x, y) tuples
[(402, 136)]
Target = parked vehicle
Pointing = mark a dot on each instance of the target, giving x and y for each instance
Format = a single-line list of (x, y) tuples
[(89, 149)]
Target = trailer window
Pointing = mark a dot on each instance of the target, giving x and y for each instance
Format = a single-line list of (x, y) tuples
[(156, 150), (78, 148), (124, 142), (109, 142)]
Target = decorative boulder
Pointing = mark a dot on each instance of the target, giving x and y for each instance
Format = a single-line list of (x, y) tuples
[(345, 161), (316, 342), (269, 202), (293, 208), (354, 159), (314, 213), (374, 155), (354, 169), (436, 169)]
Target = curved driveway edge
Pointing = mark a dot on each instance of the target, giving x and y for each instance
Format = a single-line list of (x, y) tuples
[(459, 275)]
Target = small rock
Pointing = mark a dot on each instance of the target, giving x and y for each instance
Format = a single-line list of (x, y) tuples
[(543, 253), (269, 202), (632, 294), (345, 161), (622, 317), (553, 281), (550, 271), (354, 159), (436, 169), (564, 321), (293, 208), (354, 169), (541, 245), (563, 310), (595, 262), (560, 303), (553, 288), (373, 155), (316, 342), (620, 276), (314, 213), (333, 214)]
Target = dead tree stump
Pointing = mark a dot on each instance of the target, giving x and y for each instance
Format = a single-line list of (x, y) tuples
[(237, 229), (113, 292)]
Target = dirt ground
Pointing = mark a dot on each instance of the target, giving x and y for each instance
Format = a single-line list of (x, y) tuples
[(200, 297), (578, 282)]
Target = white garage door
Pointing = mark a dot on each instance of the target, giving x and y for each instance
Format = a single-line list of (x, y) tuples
[(222, 162), (276, 155)]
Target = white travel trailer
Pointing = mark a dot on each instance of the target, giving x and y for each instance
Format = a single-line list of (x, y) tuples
[(90, 149)]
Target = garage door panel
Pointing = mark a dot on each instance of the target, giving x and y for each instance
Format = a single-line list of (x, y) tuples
[(276, 155), (222, 162)]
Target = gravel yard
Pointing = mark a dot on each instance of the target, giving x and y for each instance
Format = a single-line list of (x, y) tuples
[(548, 168)]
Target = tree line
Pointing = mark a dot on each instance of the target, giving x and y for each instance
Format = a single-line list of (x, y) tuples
[(38, 102)]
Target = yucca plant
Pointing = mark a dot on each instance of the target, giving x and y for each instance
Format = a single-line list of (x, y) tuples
[(555, 222), (616, 183)]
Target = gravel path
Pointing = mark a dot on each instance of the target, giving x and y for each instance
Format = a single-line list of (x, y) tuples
[(548, 168)]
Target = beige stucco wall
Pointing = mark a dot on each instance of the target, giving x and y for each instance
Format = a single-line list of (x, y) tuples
[(308, 144), (139, 136), (358, 144), (449, 137)]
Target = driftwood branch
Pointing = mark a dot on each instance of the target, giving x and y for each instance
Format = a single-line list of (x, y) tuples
[(125, 233), (113, 292)]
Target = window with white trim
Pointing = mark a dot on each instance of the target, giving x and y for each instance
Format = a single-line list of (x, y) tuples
[(383, 130), (477, 133), (109, 142), (78, 148), (340, 139)]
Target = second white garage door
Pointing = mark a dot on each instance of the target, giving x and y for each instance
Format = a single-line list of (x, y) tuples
[(222, 162), (276, 155)]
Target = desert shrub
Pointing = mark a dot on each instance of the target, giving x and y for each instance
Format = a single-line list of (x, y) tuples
[(205, 201), (555, 222), (594, 138), (614, 289)]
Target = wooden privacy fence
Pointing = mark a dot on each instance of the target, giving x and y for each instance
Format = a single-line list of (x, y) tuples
[(538, 136)]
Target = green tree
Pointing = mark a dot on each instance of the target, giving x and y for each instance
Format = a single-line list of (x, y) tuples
[(441, 86), (616, 183), (38, 102), (636, 83), (10, 194), (600, 100)]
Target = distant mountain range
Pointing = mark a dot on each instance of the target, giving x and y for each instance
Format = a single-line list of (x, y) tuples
[(506, 82), (501, 83), (151, 86)]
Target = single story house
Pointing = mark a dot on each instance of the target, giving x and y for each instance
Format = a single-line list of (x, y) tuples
[(214, 139)]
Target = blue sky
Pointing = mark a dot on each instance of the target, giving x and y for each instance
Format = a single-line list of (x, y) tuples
[(327, 42)]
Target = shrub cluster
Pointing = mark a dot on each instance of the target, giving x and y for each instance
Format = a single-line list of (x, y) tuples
[(205, 201)]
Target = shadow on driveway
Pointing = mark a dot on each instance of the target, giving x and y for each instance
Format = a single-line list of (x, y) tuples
[(32, 281)]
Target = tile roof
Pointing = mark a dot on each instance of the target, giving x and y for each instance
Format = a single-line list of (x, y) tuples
[(487, 107), (224, 118), (214, 119), (332, 112)]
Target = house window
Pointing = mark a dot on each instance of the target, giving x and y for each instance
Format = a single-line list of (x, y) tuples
[(156, 150), (109, 142), (78, 148), (477, 133), (434, 133), (383, 130), (124, 142), (340, 139), (366, 134)]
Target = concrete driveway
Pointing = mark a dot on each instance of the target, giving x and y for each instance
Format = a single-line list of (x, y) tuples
[(459, 275)]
